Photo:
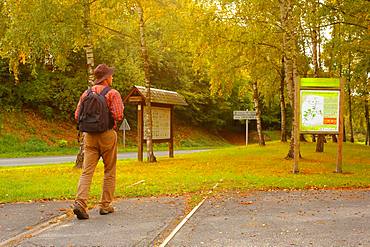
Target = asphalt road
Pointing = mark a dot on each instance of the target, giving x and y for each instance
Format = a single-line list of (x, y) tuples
[(71, 158), (257, 218), (281, 218)]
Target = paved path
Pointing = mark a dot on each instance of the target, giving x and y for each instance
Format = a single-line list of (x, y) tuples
[(72, 158), (136, 222), (278, 218), (275, 218), (19, 217)]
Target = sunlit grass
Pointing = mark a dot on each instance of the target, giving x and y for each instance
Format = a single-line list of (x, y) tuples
[(239, 168)]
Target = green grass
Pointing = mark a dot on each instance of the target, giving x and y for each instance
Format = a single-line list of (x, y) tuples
[(239, 168), (43, 150), (11, 147)]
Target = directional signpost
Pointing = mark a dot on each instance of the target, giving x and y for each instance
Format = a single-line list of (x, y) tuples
[(124, 126), (245, 115)]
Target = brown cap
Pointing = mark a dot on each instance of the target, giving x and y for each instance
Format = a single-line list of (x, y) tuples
[(102, 72)]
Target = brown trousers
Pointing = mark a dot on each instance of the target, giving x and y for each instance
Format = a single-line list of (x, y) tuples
[(98, 145)]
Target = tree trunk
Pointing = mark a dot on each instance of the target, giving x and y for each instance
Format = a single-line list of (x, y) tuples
[(352, 140), (283, 136), (334, 138), (261, 139), (314, 52), (148, 115), (337, 33), (90, 63), (350, 99), (320, 143), (289, 78), (290, 154), (293, 142), (291, 68), (290, 55), (315, 43), (344, 131), (80, 156), (367, 140), (89, 42), (90, 66), (302, 138), (319, 49)]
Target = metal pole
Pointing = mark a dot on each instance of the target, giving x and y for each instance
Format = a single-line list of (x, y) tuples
[(246, 132), (124, 137)]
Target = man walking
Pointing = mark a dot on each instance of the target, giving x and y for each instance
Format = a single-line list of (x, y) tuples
[(100, 138)]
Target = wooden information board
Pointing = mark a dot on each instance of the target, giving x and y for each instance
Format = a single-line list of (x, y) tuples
[(161, 117), (162, 104)]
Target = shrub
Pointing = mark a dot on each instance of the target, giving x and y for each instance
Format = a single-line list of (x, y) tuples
[(62, 143)]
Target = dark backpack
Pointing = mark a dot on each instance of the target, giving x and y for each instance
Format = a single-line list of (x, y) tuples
[(94, 114)]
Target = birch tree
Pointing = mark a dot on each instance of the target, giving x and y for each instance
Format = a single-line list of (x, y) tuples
[(289, 23), (148, 84)]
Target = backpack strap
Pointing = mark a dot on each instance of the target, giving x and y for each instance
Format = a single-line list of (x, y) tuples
[(88, 91), (105, 91)]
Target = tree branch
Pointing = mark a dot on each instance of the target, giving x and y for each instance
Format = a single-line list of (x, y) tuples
[(269, 45), (113, 30), (343, 22), (93, 1)]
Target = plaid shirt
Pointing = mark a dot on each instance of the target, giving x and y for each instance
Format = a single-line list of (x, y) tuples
[(114, 102)]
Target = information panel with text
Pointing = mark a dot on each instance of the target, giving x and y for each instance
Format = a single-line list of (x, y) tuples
[(319, 111)]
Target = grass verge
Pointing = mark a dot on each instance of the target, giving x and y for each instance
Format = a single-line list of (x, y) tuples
[(239, 168), (13, 147)]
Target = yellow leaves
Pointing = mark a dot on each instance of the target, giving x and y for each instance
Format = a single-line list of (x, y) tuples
[(14, 64), (15, 70), (22, 57), (245, 74)]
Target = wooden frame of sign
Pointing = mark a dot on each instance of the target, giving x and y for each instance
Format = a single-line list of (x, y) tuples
[(314, 120), (140, 129), (162, 103)]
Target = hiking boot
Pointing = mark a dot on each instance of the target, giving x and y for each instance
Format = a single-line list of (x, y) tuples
[(80, 212), (108, 210)]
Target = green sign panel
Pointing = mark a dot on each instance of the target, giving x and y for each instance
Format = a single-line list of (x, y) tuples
[(319, 111), (320, 82)]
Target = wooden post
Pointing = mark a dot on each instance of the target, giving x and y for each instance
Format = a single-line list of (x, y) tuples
[(246, 132), (170, 144), (296, 124), (340, 136), (140, 125)]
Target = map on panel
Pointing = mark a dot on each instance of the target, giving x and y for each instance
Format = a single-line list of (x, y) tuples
[(319, 110), (161, 118)]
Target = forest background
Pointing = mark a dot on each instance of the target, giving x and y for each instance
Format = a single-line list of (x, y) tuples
[(221, 55)]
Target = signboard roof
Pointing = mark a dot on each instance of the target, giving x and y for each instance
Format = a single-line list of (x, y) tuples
[(157, 96)]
